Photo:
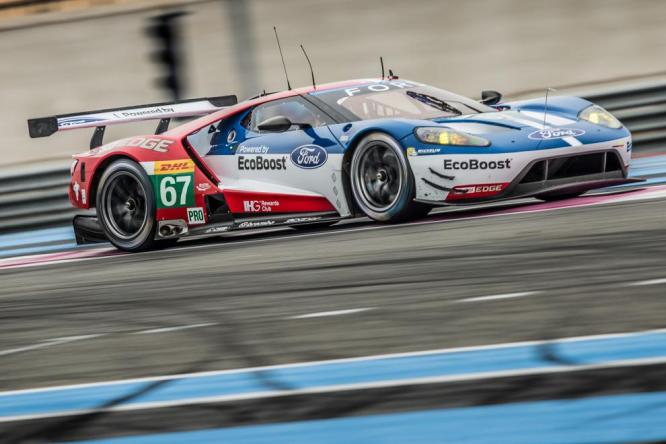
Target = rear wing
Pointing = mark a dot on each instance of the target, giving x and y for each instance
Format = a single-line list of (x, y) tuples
[(45, 126)]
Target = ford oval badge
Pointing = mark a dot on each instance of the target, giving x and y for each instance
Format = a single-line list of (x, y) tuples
[(309, 156)]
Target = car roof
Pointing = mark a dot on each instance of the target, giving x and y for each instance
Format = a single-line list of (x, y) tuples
[(197, 124)]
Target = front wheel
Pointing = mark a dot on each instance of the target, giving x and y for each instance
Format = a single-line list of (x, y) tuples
[(126, 206), (382, 181)]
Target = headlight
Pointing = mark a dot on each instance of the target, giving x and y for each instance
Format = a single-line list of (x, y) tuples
[(599, 116), (72, 167), (446, 136)]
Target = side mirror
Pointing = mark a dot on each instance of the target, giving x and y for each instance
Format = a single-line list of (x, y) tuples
[(277, 124), (490, 97)]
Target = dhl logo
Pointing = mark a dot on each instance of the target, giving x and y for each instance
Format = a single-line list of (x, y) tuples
[(174, 166)]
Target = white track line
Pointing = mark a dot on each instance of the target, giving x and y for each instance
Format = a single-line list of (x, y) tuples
[(335, 361), (177, 328), (47, 343), (345, 387), (648, 282), (499, 296), (323, 314)]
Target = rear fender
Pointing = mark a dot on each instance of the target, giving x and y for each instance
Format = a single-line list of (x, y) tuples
[(179, 185)]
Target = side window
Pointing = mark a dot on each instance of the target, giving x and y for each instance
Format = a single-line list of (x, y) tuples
[(216, 136), (294, 108)]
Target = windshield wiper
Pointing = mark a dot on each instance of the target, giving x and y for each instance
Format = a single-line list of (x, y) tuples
[(434, 102)]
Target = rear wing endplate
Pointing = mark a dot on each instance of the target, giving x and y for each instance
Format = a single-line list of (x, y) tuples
[(164, 112)]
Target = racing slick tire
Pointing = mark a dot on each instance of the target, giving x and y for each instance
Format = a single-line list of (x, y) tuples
[(382, 182), (126, 207), (554, 197)]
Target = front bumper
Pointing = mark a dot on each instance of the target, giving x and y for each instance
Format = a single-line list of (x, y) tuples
[(451, 180)]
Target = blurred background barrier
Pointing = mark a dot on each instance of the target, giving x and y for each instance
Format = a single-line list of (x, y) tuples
[(34, 198), (37, 198)]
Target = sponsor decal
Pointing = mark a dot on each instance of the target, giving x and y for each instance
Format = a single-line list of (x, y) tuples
[(555, 133), (411, 151), (212, 230), (475, 164), (195, 216), (309, 156), (76, 187), (144, 112), (260, 206), (78, 191), (476, 191), (379, 87), (297, 220), (174, 166), (79, 120), (150, 143), (257, 224), (203, 187), (260, 163), (259, 149)]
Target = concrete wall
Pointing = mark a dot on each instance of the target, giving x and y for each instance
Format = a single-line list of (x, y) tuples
[(510, 45)]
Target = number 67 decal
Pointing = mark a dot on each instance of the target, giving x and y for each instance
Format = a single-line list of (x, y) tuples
[(175, 191)]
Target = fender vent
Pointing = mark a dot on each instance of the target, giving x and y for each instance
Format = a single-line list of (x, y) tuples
[(217, 208)]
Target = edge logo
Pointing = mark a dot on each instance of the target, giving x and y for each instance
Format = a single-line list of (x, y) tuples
[(555, 133), (309, 156)]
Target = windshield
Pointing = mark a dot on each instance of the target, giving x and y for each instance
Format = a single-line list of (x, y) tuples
[(399, 99)]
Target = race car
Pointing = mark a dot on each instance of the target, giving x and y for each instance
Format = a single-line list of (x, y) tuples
[(388, 148)]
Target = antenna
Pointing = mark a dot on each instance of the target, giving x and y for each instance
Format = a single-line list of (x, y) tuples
[(314, 85), (545, 113), (381, 62), (545, 106), (282, 57)]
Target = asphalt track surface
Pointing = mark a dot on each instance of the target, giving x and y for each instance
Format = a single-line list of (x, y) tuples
[(516, 271), (266, 298)]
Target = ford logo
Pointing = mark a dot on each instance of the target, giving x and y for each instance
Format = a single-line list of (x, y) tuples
[(309, 156), (555, 133)]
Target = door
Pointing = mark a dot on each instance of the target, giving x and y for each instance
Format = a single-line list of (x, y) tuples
[(291, 170)]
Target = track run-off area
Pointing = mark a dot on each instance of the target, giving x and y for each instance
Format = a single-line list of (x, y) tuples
[(513, 322)]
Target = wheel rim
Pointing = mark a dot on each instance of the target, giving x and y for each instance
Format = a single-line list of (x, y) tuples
[(379, 176), (125, 205)]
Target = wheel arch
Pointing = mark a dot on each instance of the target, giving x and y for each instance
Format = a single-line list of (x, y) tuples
[(99, 172)]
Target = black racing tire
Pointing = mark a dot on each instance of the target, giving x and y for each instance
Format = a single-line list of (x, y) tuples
[(382, 182), (556, 197), (126, 207)]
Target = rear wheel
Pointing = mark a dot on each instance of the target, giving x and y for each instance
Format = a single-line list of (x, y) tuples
[(382, 181), (126, 207)]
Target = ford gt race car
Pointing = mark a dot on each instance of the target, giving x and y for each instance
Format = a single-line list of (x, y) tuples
[(388, 149)]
